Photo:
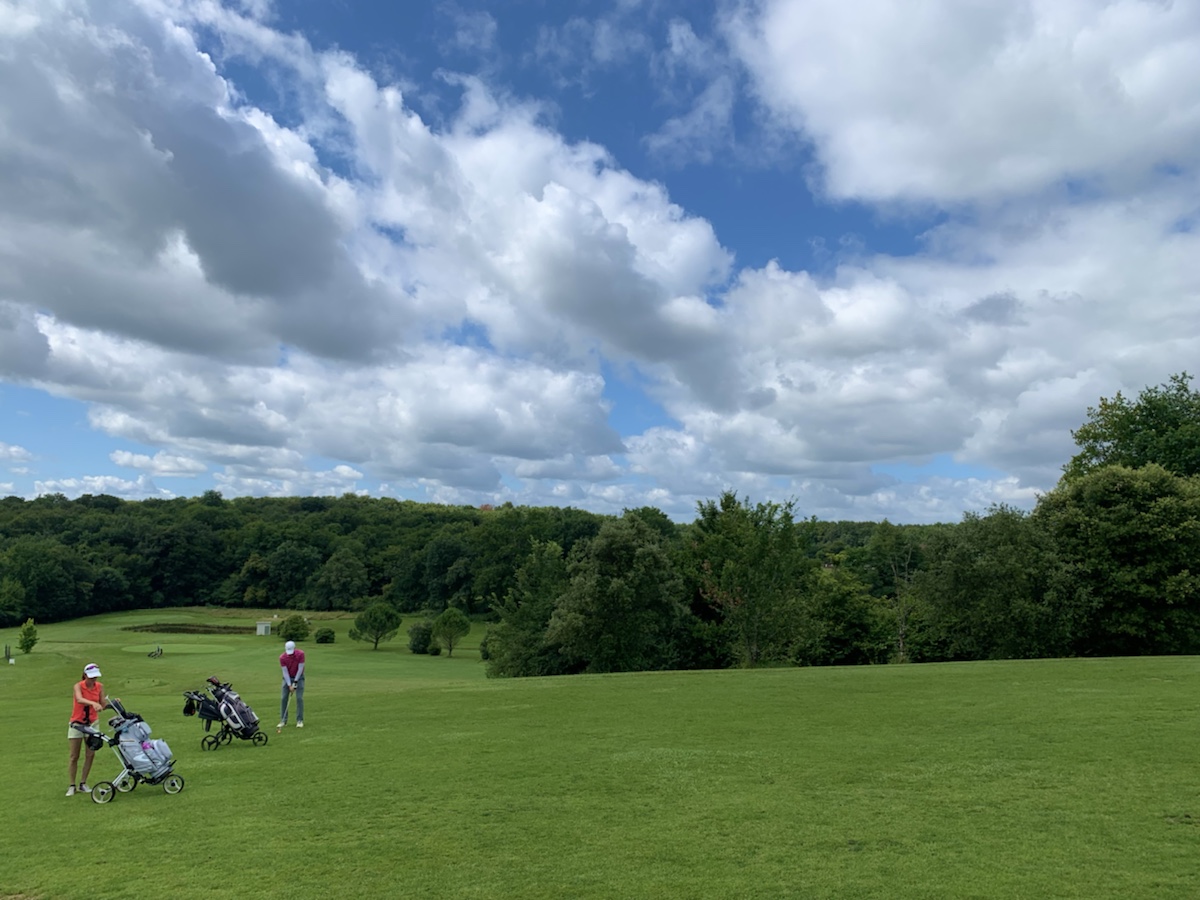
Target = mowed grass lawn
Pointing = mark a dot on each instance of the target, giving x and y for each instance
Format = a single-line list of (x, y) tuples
[(416, 776)]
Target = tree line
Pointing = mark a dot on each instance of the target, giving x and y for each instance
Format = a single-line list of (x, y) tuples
[(1101, 566)]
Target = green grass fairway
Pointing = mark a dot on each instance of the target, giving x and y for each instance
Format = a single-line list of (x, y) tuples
[(415, 776)]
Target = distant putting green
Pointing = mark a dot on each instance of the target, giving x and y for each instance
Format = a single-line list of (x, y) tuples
[(416, 776)]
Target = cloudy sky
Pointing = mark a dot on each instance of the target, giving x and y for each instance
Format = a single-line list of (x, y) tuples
[(878, 258)]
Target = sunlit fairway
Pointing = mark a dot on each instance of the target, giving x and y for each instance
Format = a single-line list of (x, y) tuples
[(416, 776)]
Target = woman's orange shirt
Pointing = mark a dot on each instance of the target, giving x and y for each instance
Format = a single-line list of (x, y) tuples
[(82, 713)]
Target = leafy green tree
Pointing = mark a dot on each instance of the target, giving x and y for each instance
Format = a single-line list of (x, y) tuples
[(623, 605), (896, 554), (27, 637), (12, 601), (111, 590), (517, 644), (753, 565), (378, 622), (212, 498), (57, 581), (339, 581), (294, 628), (501, 541), (187, 562), (289, 568), (839, 623), (451, 627), (987, 585), (448, 568), (1161, 427), (250, 584), (1127, 541), (656, 519), (402, 564)]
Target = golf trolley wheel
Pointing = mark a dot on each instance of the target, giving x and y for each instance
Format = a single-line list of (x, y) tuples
[(259, 739), (126, 783), (225, 737), (103, 792), (209, 742), (173, 784)]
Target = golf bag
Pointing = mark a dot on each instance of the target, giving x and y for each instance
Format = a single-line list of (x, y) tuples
[(224, 706), (148, 758)]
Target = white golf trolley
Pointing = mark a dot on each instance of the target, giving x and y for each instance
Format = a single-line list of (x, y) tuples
[(143, 761)]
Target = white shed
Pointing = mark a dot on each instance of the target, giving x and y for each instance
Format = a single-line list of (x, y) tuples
[(263, 628)]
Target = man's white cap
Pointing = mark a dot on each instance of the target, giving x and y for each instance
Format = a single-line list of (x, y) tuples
[(289, 648), (91, 670)]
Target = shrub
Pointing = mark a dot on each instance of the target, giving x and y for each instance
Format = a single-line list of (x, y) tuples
[(420, 636), (324, 636), (483, 646), (27, 637), (294, 628), (435, 649)]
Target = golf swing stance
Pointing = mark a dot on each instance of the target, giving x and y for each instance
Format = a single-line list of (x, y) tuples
[(291, 662)]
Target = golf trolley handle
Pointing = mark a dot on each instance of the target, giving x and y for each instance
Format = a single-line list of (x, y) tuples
[(117, 705), (93, 737)]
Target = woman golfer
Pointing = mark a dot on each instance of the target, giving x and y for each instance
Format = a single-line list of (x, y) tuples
[(90, 701)]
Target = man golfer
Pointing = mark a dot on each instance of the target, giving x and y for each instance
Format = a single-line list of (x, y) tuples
[(291, 662)]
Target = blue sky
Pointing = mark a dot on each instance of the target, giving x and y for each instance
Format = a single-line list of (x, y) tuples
[(876, 259)]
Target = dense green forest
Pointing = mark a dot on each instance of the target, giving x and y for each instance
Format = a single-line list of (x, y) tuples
[(1101, 566)]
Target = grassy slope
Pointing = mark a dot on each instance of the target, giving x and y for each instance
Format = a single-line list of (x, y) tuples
[(417, 777)]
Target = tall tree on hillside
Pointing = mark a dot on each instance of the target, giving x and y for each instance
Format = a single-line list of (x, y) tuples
[(1162, 427), (753, 565), (289, 568), (12, 601), (448, 568), (110, 590), (839, 622), (188, 563), (656, 519), (897, 554), (56, 581), (339, 582), (987, 586), (517, 644), (623, 605), (250, 586), (1127, 542)]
